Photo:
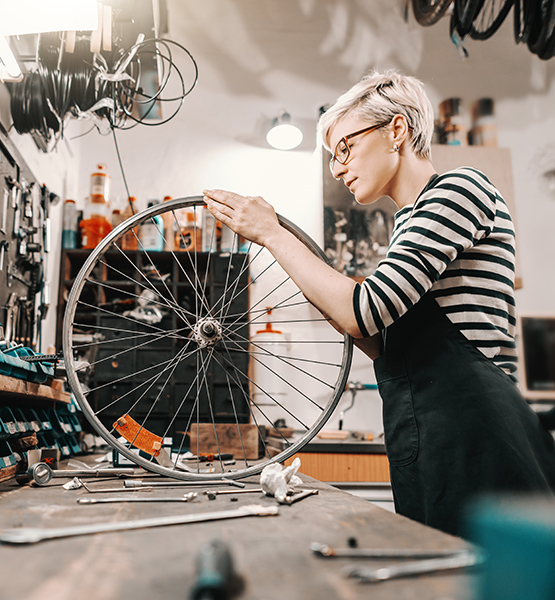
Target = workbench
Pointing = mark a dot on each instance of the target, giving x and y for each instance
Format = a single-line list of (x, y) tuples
[(271, 553)]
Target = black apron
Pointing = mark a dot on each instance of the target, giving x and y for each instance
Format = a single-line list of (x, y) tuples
[(455, 423)]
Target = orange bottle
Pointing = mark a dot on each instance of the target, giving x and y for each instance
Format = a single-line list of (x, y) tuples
[(188, 236), (96, 224), (130, 239)]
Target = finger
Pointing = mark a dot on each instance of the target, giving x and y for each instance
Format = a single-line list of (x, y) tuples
[(220, 211), (224, 197)]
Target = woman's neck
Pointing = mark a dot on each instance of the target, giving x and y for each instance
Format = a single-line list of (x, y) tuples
[(412, 177)]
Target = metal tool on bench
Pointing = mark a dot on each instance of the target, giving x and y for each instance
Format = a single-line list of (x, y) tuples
[(290, 499), (379, 553), (185, 498), (41, 474), (138, 483), (457, 560), (31, 535), (220, 492)]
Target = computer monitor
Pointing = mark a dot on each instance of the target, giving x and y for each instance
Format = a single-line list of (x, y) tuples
[(536, 341)]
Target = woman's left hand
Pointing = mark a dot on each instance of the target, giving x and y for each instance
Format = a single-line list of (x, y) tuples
[(249, 216)]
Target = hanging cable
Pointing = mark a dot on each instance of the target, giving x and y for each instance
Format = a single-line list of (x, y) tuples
[(118, 88)]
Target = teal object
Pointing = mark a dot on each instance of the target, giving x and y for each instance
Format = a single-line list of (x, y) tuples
[(7, 457), (12, 364), (517, 534)]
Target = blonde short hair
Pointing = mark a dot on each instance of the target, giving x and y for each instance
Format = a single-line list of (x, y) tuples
[(377, 98)]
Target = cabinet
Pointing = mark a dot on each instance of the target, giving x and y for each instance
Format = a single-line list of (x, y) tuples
[(123, 352)]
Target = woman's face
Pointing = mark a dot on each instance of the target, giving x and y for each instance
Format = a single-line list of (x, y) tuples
[(372, 162)]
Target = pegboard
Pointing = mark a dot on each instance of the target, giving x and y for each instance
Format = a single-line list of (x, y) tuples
[(25, 242)]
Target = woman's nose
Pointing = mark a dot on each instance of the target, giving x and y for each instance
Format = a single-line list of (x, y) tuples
[(337, 169)]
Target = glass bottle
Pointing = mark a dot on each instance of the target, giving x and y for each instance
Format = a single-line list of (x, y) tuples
[(130, 239)]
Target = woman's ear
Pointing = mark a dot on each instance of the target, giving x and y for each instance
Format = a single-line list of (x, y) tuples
[(400, 130)]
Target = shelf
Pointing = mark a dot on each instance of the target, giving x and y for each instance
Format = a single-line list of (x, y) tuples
[(11, 387)]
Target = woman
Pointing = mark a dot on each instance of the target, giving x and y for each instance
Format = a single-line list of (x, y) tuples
[(437, 315)]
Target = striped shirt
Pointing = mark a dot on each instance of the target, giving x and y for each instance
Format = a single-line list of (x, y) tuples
[(456, 242)]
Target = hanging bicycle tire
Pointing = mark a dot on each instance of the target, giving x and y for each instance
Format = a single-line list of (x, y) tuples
[(429, 12), (490, 18), (159, 350), (463, 15), (542, 29)]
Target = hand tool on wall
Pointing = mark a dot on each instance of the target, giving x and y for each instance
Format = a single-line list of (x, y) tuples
[(31, 535), (41, 474), (5, 198), (11, 309), (3, 248)]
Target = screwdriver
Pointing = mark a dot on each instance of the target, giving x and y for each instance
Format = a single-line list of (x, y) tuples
[(211, 457), (215, 577)]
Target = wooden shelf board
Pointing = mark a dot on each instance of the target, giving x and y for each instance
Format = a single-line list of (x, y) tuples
[(13, 387)]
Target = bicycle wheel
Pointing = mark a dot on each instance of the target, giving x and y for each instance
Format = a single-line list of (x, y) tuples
[(429, 12), (163, 348), (490, 18)]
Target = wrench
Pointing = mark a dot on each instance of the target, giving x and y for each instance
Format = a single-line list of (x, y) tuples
[(415, 567), (186, 498), (137, 483), (329, 552), (31, 535), (41, 473), (299, 496), (218, 492)]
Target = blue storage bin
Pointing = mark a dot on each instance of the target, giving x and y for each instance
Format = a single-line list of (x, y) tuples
[(63, 447), (72, 443), (22, 423), (45, 423), (5, 365), (46, 439), (57, 426), (23, 369), (33, 419), (10, 422), (7, 457)]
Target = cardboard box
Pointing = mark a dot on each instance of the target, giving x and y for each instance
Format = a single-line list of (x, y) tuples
[(232, 438)]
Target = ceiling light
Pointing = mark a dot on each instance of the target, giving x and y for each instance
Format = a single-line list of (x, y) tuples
[(9, 69), (283, 135), (39, 16)]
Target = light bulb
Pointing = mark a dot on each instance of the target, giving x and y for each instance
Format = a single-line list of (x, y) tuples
[(284, 136)]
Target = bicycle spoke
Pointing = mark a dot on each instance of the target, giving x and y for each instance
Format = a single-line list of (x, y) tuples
[(167, 339)]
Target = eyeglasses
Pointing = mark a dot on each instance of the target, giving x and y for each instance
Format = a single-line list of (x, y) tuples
[(343, 150)]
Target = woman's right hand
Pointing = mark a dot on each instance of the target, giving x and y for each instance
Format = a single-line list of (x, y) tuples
[(249, 216)]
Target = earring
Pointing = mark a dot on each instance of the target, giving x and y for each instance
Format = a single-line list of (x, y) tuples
[(396, 148)]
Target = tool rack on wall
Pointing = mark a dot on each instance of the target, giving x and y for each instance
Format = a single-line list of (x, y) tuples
[(35, 411), (119, 366)]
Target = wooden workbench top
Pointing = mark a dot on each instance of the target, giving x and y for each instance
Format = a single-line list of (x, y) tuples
[(272, 554)]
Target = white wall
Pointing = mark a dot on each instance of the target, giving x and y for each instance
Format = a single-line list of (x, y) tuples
[(215, 141)]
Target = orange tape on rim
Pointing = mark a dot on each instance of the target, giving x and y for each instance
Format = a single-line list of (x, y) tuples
[(138, 436)]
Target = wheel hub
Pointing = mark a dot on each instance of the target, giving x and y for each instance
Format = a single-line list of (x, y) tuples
[(207, 331)]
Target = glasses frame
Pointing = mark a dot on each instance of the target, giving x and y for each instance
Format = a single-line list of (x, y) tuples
[(345, 139)]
